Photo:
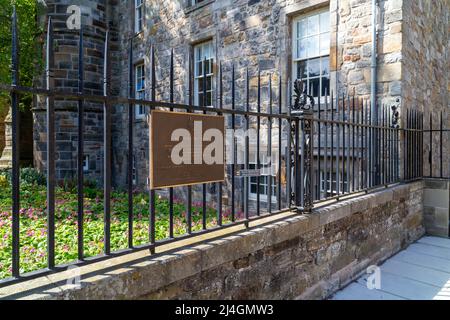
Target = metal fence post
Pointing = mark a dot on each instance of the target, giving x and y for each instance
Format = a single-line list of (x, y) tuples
[(50, 114), (304, 187), (307, 147), (107, 149), (15, 179)]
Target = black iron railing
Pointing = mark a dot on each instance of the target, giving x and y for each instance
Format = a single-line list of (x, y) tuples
[(335, 146), (431, 135)]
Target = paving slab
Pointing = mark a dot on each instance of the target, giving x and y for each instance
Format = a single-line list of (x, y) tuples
[(420, 272)]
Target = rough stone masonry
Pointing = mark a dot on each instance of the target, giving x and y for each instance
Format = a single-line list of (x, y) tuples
[(258, 35), (299, 256)]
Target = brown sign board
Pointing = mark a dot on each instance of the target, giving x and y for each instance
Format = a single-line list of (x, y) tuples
[(169, 130)]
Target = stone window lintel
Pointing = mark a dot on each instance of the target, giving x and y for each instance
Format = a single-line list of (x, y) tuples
[(190, 8)]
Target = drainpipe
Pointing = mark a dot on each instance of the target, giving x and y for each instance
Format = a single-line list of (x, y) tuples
[(374, 57), (373, 98)]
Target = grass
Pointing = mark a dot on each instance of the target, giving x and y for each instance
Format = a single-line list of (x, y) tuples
[(33, 223)]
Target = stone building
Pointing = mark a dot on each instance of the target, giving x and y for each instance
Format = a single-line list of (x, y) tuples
[(332, 39), (301, 256)]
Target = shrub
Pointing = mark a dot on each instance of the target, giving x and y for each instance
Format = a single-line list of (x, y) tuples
[(91, 193), (90, 187), (27, 176), (4, 183), (32, 176)]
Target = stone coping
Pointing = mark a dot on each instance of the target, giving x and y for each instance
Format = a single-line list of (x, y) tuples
[(135, 274), (436, 183)]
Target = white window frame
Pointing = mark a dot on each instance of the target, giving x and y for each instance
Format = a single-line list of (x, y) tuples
[(332, 180), (138, 15), (85, 163), (304, 32), (199, 64), (264, 181), (139, 89)]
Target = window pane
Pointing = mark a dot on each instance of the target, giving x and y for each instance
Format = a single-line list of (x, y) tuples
[(302, 48), (210, 63), (314, 86), (325, 66), (198, 54), (302, 28), (138, 72), (209, 83), (200, 84), (209, 99), (325, 86), (262, 189), (314, 68), (313, 46), (207, 51), (301, 70), (199, 69), (313, 25), (325, 22), (324, 44)]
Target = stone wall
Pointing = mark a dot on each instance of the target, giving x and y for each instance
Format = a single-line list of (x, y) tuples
[(95, 22), (311, 261), (256, 35), (299, 256), (425, 73), (249, 34), (66, 126), (436, 207), (354, 47)]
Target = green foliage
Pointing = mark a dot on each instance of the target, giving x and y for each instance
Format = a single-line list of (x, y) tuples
[(27, 176), (89, 187), (33, 222), (4, 183), (30, 44), (33, 177)]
